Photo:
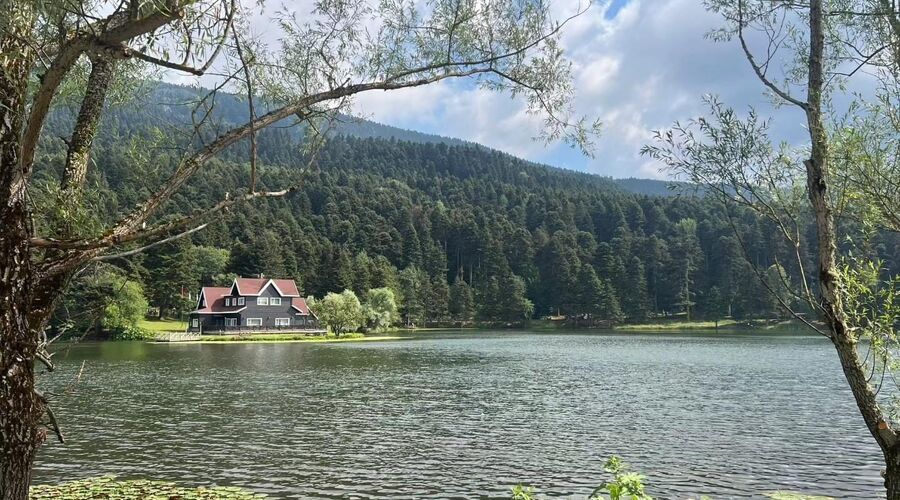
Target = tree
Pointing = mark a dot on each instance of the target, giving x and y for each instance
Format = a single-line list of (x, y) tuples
[(104, 298), (321, 64), (462, 301), (209, 262), (688, 250), (412, 309), (635, 302), (715, 305), (736, 159), (380, 309), (437, 299), (340, 312), (599, 298), (171, 275), (512, 304), (126, 307)]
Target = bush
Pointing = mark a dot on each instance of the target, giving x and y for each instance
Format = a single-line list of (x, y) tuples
[(132, 333), (108, 488), (626, 485)]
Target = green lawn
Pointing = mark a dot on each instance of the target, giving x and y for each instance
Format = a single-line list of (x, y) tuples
[(678, 325), (279, 338), (166, 325)]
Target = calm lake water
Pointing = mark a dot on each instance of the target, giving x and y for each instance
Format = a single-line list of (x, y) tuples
[(469, 415)]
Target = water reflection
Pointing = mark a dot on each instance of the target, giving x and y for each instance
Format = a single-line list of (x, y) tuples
[(466, 416)]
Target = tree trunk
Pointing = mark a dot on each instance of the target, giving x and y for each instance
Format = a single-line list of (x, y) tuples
[(20, 406), (817, 174), (892, 473)]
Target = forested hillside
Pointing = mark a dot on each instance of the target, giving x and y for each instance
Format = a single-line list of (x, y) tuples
[(457, 230)]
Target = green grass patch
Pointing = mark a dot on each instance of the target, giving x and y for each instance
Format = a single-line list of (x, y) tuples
[(108, 488), (266, 337), (276, 338), (160, 326), (679, 325)]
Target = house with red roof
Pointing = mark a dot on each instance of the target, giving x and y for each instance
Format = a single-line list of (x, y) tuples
[(252, 305)]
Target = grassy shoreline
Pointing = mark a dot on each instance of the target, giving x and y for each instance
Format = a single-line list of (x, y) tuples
[(279, 338), (727, 325), (724, 326)]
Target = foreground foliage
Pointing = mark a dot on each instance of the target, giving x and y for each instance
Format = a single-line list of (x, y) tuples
[(625, 485), (108, 488), (628, 485)]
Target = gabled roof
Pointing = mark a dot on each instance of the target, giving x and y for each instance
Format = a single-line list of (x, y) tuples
[(212, 300), (302, 309), (255, 286)]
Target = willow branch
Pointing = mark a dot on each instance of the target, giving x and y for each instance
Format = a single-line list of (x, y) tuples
[(63, 63), (760, 73), (129, 253)]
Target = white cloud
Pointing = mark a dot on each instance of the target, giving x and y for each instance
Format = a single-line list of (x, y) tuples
[(639, 71)]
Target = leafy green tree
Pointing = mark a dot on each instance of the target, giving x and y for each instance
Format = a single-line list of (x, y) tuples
[(105, 299), (340, 312), (380, 309), (209, 262), (125, 308)]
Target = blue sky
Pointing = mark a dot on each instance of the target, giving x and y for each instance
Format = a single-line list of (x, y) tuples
[(639, 65)]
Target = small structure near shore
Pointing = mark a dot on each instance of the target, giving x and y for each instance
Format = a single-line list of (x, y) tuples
[(253, 305)]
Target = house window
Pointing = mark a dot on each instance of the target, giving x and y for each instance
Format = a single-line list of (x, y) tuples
[(282, 321), (254, 321), (275, 301), (240, 301), (262, 301), (227, 302), (230, 321), (195, 322)]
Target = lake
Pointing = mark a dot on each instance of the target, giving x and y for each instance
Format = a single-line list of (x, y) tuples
[(467, 415)]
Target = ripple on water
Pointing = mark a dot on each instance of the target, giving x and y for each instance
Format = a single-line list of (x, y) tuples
[(468, 416)]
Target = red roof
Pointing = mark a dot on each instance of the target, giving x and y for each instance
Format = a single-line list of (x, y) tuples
[(300, 305), (213, 299), (255, 286)]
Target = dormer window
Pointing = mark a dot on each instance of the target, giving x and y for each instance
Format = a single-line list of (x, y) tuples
[(240, 301), (227, 302), (275, 301), (262, 301)]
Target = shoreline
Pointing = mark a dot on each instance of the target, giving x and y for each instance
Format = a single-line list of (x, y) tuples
[(724, 327)]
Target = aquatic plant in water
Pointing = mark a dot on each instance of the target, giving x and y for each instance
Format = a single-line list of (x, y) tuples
[(108, 488)]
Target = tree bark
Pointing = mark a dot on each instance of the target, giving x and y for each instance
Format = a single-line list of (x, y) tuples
[(89, 115), (842, 337), (892, 474), (20, 406)]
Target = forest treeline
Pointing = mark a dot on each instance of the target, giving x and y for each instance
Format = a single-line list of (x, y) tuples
[(459, 232)]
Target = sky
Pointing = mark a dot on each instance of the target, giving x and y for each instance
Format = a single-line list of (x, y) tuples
[(638, 66)]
